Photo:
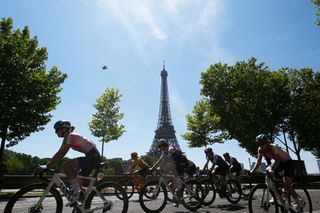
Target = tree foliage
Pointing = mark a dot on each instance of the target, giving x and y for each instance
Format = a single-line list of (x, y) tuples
[(303, 124), (28, 90), (317, 4), (104, 123), (203, 126), (247, 99)]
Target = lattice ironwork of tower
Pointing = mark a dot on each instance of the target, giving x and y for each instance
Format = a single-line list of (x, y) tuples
[(165, 127)]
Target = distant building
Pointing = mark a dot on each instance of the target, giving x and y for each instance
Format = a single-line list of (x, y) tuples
[(318, 162)]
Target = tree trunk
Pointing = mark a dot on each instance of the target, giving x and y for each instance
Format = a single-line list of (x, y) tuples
[(3, 141), (102, 148)]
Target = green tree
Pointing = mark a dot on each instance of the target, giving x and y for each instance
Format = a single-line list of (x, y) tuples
[(247, 99), (104, 123), (117, 166), (28, 91), (203, 126), (303, 121), (317, 4)]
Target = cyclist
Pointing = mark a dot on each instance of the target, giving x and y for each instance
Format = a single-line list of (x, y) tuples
[(166, 160), (191, 169), (180, 160), (183, 164), (282, 163), (219, 168), (141, 172), (64, 129), (234, 165)]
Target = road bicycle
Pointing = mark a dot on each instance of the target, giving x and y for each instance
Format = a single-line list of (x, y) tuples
[(129, 185), (46, 196), (212, 185), (271, 196), (155, 196)]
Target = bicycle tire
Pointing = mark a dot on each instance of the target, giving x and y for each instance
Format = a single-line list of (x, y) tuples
[(304, 194), (256, 200), (233, 194), (110, 191), (171, 185), (27, 197), (209, 192), (146, 203), (246, 188), (191, 195), (128, 186)]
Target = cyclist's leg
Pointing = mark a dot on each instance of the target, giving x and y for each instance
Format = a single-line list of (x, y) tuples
[(69, 168)]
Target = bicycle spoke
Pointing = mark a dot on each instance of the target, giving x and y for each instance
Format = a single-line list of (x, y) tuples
[(26, 199), (108, 198), (262, 201)]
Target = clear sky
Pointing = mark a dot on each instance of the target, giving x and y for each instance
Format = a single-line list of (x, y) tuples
[(133, 37)]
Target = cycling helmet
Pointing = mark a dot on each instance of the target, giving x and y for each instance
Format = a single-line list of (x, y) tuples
[(262, 138), (208, 150), (226, 154), (134, 155), (162, 142), (62, 124), (172, 149)]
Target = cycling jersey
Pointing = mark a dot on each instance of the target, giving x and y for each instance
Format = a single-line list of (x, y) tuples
[(140, 163), (274, 152), (78, 142), (217, 160)]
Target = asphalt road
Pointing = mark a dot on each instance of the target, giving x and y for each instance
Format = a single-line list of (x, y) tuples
[(219, 205)]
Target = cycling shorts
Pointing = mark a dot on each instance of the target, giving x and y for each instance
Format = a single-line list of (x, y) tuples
[(287, 167), (88, 163)]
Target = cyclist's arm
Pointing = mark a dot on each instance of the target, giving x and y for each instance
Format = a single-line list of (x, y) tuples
[(129, 170), (275, 165), (257, 164), (157, 164), (206, 166), (59, 155)]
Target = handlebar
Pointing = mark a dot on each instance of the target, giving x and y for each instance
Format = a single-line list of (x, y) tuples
[(40, 172)]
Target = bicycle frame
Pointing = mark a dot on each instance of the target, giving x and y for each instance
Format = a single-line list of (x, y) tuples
[(56, 180), (272, 186)]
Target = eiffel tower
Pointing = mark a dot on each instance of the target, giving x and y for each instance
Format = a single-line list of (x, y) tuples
[(165, 127)]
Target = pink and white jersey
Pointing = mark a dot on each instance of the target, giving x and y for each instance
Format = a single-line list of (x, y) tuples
[(79, 143), (276, 153)]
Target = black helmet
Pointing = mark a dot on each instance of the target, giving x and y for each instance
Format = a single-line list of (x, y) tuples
[(208, 150), (162, 142), (62, 124), (226, 154), (262, 138)]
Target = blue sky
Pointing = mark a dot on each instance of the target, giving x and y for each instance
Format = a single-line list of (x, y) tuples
[(134, 37)]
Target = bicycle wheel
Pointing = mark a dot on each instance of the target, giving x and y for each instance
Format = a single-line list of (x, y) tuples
[(128, 187), (156, 199), (245, 189), (191, 195), (233, 191), (107, 198), (260, 200), (209, 192), (172, 186), (304, 195), (27, 197)]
